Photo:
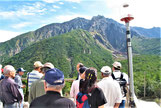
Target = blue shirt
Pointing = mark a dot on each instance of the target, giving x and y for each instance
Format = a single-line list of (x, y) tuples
[(18, 81)]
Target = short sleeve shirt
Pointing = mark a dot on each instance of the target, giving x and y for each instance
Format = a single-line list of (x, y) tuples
[(74, 89), (18, 80), (96, 98)]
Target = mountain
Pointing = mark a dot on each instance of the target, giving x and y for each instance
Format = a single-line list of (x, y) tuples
[(148, 46), (111, 31), (152, 33), (64, 51)]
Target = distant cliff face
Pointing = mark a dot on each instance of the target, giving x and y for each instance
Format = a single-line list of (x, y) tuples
[(111, 31)]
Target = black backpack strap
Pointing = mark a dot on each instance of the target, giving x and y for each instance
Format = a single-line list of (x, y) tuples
[(121, 77), (113, 76)]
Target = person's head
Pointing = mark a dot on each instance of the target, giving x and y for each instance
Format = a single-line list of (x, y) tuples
[(38, 65), (21, 71), (54, 80), (9, 71), (82, 72), (116, 66), (46, 67), (79, 65), (105, 71), (90, 79), (91, 75)]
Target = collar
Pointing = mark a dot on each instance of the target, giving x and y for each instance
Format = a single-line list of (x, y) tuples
[(18, 75), (53, 92), (9, 78)]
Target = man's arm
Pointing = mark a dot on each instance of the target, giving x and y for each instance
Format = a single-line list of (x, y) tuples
[(15, 92), (32, 92), (116, 105)]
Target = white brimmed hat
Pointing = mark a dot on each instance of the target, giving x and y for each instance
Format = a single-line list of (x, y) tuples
[(117, 65), (106, 69)]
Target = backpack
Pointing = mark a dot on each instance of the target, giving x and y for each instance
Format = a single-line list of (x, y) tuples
[(82, 100), (122, 82)]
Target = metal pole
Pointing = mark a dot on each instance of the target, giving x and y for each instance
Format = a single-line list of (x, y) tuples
[(144, 84), (130, 64)]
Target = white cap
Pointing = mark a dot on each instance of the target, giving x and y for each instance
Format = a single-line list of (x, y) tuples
[(38, 64), (48, 64), (117, 65), (106, 69)]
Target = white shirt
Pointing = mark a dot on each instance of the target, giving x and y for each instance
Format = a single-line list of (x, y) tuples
[(74, 89), (33, 76), (111, 90), (117, 74)]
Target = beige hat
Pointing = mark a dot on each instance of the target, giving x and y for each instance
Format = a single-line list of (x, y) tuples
[(38, 64), (117, 65), (106, 69)]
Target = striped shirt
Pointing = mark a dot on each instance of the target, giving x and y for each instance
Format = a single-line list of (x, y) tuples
[(33, 76)]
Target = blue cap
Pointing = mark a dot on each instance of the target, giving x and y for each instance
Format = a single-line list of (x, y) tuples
[(54, 77), (21, 70)]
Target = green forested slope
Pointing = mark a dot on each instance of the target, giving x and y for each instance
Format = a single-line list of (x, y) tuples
[(148, 67), (64, 51), (150, 46)]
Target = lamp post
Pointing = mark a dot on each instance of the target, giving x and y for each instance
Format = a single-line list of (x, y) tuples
[(127, 18)]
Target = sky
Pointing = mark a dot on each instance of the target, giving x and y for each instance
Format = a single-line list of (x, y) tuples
[(21, 16)]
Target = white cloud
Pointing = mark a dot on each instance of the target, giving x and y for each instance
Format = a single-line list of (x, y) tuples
[(7, 35), (76, 1), (7, 14), (61, 3), (74, 7), (21, 25), (57, 7), (145, 12), (36, 8), (50, 1), (53, 10)]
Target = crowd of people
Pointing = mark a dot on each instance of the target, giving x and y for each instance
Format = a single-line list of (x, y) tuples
[(45, 84)]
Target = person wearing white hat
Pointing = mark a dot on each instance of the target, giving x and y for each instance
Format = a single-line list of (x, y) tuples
[(122, 79), (110, 88)]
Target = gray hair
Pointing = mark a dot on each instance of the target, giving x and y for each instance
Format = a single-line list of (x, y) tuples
[(8, 69), (57, 87), (106, 74)]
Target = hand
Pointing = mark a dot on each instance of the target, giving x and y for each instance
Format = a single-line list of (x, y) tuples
[(23, 86)]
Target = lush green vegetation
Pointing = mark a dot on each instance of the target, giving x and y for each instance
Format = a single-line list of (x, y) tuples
[(148, 67), (150, 46), (64, 51)]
